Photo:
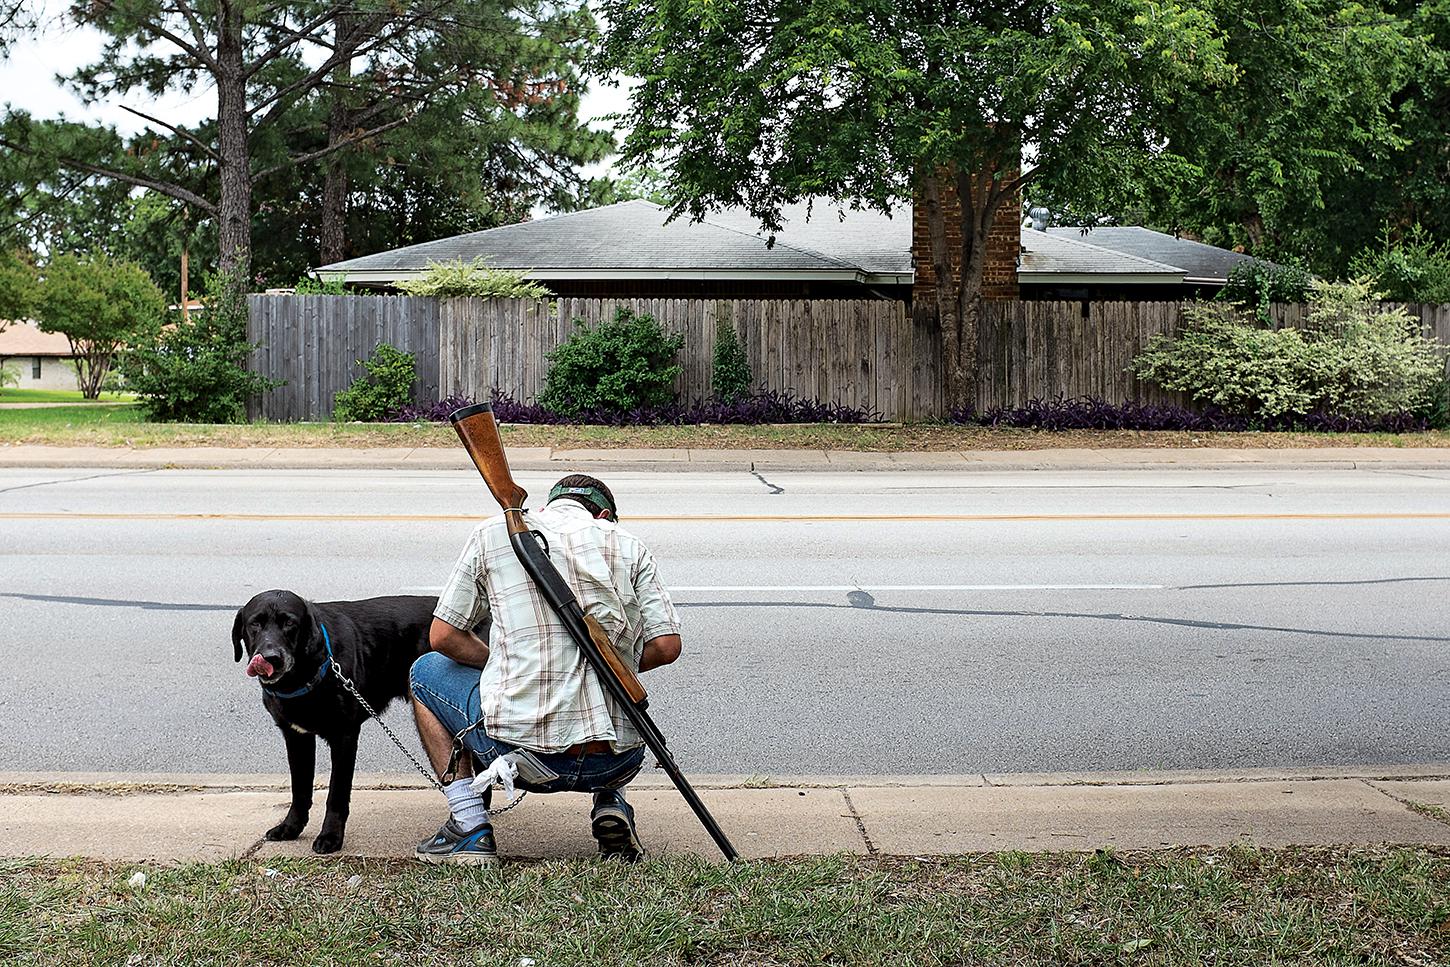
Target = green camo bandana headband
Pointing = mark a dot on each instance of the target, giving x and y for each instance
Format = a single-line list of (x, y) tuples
[(594, 495)]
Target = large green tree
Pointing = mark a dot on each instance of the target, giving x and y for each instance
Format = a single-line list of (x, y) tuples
[(307, 95), (759, 103), (17, 287), (1316, 143), (99, 305)]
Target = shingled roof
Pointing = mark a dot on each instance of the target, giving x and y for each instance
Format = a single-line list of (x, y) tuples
[(629, 239), (821, 240), (1200, 262), (1063, 259), (26, 339)]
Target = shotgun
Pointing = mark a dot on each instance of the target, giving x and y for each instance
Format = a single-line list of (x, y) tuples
[(477, 429)]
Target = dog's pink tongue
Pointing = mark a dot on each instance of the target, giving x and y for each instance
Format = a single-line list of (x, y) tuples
[(259, 666)]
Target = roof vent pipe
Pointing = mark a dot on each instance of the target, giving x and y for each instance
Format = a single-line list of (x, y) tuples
[(1039, 216)]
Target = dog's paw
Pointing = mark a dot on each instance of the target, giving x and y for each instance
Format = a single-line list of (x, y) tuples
[(327, 841), (286, 829)]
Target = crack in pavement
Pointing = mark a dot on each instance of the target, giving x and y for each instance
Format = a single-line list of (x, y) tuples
[(66, 480), (117, 602), (1304, 584), (774, 488), (857, 601), (1090, 616)]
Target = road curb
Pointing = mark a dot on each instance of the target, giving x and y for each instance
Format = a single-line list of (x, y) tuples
[(675, 460), (122, 783)]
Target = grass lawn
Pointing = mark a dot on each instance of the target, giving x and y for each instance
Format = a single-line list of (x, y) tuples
[(115, 425), (1223, 907), (9, 394)]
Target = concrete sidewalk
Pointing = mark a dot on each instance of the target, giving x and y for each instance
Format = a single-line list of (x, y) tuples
[(187, 817), (545, 458)]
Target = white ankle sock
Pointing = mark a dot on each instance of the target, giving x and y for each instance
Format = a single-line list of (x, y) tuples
[(466, 804)]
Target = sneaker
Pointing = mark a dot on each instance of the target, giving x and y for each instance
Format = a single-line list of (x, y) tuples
[(612, 823), (454, 845)]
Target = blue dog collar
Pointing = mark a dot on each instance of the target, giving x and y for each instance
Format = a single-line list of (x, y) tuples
[(316, 679)]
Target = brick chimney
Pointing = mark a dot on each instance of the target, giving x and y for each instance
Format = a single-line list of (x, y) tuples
[(999, 275)]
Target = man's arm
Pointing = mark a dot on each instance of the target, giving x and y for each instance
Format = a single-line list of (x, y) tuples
[(658, 651), (462, 645)]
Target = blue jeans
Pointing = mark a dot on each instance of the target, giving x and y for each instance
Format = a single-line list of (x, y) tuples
[(450, 691)]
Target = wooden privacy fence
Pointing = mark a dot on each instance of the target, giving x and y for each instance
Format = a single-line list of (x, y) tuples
[(313, 344), (1041, 350), (866, 353)]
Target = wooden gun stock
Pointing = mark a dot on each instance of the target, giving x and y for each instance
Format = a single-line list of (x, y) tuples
[(626, 675), (478, 430)]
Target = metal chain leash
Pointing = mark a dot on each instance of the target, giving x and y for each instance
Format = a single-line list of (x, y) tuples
[(422, 771)]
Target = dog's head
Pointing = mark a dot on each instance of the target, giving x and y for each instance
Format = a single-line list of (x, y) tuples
[(278, 631)]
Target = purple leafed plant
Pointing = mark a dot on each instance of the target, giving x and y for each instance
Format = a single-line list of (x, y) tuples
[(766, 406), (1090, 413)]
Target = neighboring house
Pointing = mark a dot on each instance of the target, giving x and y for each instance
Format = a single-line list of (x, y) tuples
[(1203, 268), (40, 360), (628, 250)]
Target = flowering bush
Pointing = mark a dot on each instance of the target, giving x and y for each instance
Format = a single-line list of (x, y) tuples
[(1353, 358)]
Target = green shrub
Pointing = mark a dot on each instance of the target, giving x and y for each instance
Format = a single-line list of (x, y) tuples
[(1352, 358), (9, 376), (386, 387), (195, 371), (619, 365), (310, 286), (460, 278), (731, 378), (1256, 285), (1413, 269)]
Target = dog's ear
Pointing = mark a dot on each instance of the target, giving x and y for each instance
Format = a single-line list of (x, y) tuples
[(313, 620), (238, 626)]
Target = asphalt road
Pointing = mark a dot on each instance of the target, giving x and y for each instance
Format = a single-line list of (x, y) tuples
[(869, 623)]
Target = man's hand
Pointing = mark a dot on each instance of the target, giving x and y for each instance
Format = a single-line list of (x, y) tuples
[(461, 645), (658, 651)]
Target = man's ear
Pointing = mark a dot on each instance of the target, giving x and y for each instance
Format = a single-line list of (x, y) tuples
[(238, 626)]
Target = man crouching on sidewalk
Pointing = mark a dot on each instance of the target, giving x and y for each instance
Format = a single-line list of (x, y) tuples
[(536, 691)]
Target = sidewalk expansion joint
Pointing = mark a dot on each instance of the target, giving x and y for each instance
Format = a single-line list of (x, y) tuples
[(871, 849), (1433, 813)]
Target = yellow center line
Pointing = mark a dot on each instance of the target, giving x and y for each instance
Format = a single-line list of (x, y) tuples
[(733, 518)]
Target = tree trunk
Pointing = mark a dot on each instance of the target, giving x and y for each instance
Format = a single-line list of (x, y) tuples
[(333, 230), (947, 307), (958, 292), (92, 362), (234, 210), (333, 241)]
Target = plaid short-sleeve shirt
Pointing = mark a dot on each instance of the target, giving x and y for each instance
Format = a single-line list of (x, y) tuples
[(537, 690)]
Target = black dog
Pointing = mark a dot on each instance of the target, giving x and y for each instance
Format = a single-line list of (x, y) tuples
[(288, 641)]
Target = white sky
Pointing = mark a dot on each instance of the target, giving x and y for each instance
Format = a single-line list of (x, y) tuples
[(28, 81)]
